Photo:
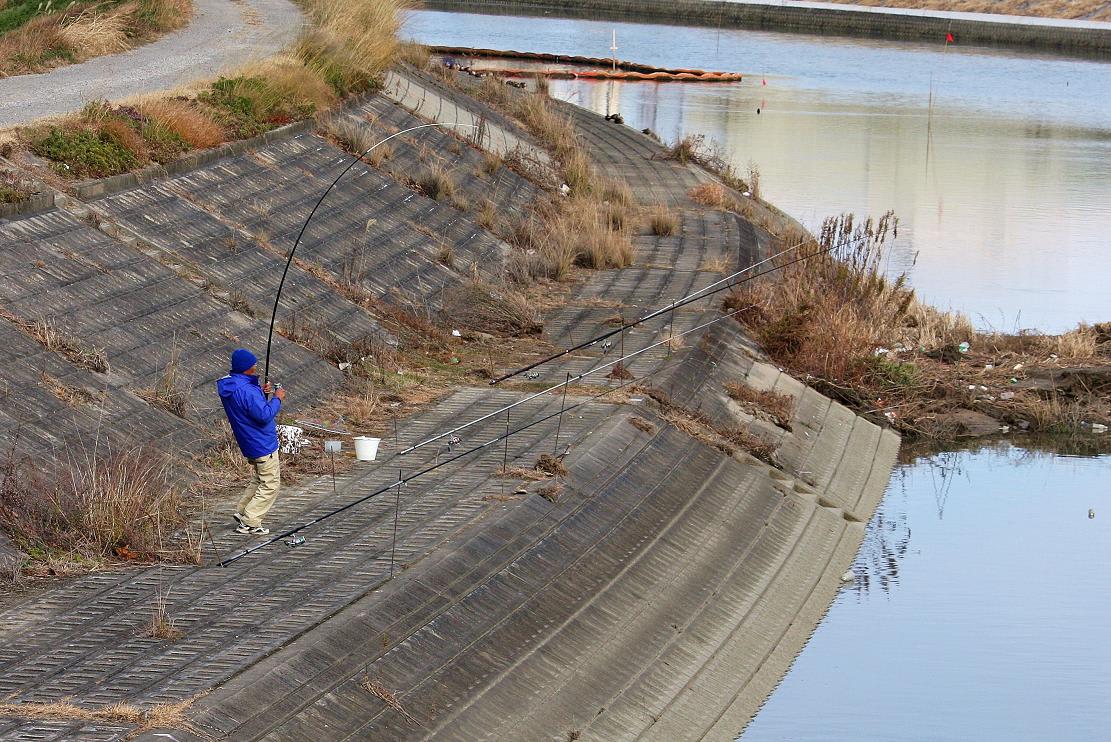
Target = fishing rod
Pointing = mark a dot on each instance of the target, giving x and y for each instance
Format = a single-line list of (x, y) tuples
[(358, 158), (680, 302), (404, 480), (562, 384)]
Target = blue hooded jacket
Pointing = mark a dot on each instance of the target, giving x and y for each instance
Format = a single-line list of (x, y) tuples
[(251, 415)]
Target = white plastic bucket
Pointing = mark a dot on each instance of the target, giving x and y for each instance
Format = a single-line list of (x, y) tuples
[(366, 448)]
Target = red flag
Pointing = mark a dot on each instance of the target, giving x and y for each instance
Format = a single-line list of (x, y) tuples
[(948, 38)]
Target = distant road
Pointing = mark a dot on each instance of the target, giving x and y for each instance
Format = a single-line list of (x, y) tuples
[(222, 35)]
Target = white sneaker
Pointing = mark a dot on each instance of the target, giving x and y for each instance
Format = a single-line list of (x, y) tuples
[(252, 530)]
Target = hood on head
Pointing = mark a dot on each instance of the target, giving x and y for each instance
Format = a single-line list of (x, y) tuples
[(228, 384)]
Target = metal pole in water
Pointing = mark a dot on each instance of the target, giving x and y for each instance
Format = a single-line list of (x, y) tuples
[(562, 405)]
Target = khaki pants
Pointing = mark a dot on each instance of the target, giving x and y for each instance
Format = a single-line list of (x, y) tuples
[(261, 493)]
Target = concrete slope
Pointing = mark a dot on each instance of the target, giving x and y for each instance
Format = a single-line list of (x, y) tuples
[(659, 591), (222, 35)]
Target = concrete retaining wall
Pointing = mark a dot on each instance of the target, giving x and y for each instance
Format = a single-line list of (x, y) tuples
[(1070, 37)]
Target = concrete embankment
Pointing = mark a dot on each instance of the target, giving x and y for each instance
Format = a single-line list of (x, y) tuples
[(659, 593), (1085, 38)]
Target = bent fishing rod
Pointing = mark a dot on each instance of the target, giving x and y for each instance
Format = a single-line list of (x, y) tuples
[(690, 298), (289, 261)]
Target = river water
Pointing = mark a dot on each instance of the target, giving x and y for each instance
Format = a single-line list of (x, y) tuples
[(980, 604), (979, 610), (997, 164)]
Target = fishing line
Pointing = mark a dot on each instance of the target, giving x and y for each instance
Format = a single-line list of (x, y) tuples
[(550, 389), (682, 302), (358, 158), (504, 436)]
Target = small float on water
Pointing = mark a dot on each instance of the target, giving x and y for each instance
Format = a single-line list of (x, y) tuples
[(598, 68)]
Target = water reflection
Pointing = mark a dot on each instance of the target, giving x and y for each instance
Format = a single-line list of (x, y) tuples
[(979, 608), (998, 165)]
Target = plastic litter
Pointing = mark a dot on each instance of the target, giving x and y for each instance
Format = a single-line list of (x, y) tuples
[(1099, 428), (1017, 367), (849, 576), (963, 347), (456, 334), (880, 352), (291, 439), (1007, 395)]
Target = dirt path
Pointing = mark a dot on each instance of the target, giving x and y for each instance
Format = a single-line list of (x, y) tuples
[(222, 35)]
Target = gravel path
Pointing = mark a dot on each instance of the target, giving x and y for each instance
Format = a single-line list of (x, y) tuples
[(222, 35)]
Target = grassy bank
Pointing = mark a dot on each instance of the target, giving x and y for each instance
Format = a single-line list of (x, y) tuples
[(343, 52), (837, 322), (37, 36), (1089, 10)]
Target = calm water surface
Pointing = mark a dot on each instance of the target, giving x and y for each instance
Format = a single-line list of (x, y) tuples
[(979, 612), (983, 596), (1002, 185)]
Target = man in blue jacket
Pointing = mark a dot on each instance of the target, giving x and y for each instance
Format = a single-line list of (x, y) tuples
[(252, 414)]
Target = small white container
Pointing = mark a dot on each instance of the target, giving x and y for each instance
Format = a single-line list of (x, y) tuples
[(366, 448)]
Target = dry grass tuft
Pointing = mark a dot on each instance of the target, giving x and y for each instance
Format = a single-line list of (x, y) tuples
[(529, 475), (185, 119), (498, 311), (73, 396), (375, 688), (78, 31), (289, 78), (414, 54), (551, 465), (98, 504), (436, 181), (350, 43), (716, 264), (641, 424), (708, 194), (620, 372), (664, 221), (158, 716), (778, 408), (161, 625), (93, 33), (551, 491), (46, 331), (169, 393), (576, 232)]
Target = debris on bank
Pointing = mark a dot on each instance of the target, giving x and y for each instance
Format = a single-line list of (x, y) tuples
[(607, 69)]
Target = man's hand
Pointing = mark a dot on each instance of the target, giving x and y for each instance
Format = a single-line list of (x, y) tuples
[(280, 394), (267, 388)]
